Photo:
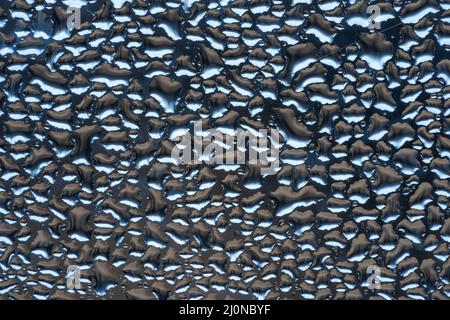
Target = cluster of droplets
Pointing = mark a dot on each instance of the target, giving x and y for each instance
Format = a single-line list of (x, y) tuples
[(89, 117)]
